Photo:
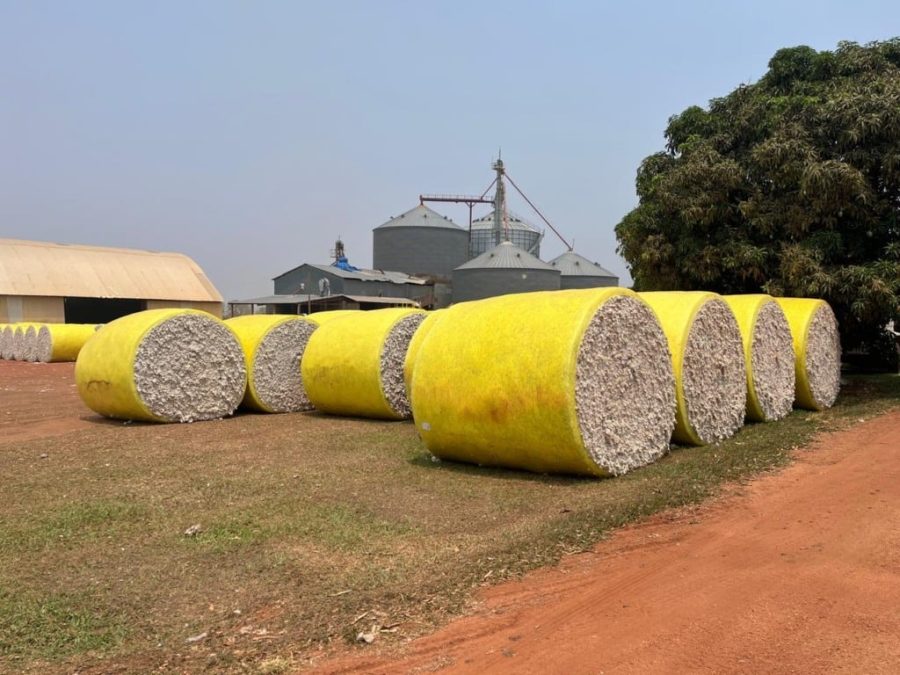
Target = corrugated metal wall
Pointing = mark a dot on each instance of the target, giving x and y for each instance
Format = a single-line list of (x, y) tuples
[(475, 284), (427, 251)]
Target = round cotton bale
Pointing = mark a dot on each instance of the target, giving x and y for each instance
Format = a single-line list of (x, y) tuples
[(412, 352), (319, 318), (29, 348), (708, 359), (572, 382), (57, 342), (817, 351), (273, 346), (162, 365), (353, 365), (19, 346), (768, 355), (6, 342)]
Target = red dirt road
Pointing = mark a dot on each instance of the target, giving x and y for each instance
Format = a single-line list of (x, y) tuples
[(797, 573)]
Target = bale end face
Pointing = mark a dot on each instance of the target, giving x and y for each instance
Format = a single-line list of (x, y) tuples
[(714, 376), (823, 358), (625, 387), (189, 368), (771, 365), (393, 358), (277, 379)]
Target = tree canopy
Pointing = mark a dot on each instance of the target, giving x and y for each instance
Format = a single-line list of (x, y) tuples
[(789, 186)]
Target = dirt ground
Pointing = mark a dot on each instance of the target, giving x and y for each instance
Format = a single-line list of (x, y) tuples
[(798, 572)]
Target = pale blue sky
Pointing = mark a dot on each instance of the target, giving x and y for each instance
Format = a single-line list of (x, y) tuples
[(250, 134)]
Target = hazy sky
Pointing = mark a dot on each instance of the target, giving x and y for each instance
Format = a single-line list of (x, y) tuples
[(249, 135)]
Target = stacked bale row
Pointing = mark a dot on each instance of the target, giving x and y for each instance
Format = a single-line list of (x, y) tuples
[(185, 366), (46, 343), (575, 381)]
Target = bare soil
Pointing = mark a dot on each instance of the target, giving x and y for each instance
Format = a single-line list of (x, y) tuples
[(797, 572)]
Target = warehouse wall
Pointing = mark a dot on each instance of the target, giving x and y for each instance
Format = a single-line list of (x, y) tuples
[(475, 284), (289, 284), (587, 282), (15, 308)]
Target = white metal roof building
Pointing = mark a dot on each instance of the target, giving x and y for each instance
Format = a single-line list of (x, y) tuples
[(46, 282), (579, 272), (503, 269)]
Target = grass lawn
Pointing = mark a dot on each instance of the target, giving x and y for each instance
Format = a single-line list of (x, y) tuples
[(311, 529)]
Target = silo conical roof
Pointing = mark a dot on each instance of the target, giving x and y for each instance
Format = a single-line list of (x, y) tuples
[(513, 221), (506, 256), (420, 216), (570, 264)]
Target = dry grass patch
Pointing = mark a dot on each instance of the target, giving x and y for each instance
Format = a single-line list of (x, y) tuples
[(311, 529)]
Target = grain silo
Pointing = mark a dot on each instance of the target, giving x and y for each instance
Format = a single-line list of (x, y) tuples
[(503, 269), (421, 242), (518, 231), (579, 272)]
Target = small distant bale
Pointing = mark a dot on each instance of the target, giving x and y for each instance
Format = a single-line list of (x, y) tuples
[(58, 342)]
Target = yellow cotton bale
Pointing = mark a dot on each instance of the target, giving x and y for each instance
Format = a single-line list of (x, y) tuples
[(319, 318), (708, 359), (768, 355), (162, 365), (353, 365), (817, 351), (57, 342), (412, 352), (572, 382), (273, 346)]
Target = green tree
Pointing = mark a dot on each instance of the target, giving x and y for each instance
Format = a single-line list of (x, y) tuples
[(790, 186)]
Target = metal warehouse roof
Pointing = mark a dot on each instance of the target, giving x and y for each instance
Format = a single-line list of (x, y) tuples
[(506, 256), (300, 298), (515, 223), (571, 265), (364, 275), (421, 216), (71, 270)]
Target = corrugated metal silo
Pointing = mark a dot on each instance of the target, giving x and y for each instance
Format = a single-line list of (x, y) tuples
[(579, 272), (521, 233), (503, 269), (421, 242)]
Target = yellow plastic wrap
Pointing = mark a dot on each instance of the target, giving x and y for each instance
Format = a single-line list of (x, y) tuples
[(676, 311), (319, 318), (105, 369), (494, 381), (416, 342), (250, 331), (342, 363), (66, 340), (800, 313)]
